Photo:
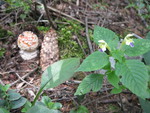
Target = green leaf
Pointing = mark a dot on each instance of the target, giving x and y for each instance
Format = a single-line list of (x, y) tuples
[(116, 90), (141, 46), (91, 82), (27, 106), (18, 103), (45, 100), (13, 95), (145, 105), (81, 109), (134, 76), (113, 79), (2, 110), (2, 51), (101, 33), (2, 103), (59, 72), (23, 16), (97, 60), (5, 87), (54, 105), (117, 55), (41, 109), (146, 56)]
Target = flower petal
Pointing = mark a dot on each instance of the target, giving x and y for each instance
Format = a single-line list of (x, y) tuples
[(131, 44), (101, 50)]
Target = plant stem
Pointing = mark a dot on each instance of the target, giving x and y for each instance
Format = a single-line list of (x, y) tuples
[(39, 92)]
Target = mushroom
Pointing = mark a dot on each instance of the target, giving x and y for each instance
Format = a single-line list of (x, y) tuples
[(28, 43)]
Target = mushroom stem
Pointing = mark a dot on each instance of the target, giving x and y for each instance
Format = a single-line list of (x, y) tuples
[(28, 55)]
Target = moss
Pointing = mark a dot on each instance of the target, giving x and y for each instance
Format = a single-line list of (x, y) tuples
[(43, 28), (5, 33), (69, 46)]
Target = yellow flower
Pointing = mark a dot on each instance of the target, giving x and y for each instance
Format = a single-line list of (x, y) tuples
[(129, 41), (102, 45)]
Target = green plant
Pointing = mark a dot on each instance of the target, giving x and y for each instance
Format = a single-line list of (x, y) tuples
[(2, 51), (43, 28), (9, 99), (24, 5), (143, 8), (45, 102), (122, 73), (80, 109), (54, 75)]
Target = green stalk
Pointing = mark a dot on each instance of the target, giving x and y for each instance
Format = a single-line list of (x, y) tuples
[(39, 92)]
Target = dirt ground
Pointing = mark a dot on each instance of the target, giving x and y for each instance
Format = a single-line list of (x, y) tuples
[(109, 14)]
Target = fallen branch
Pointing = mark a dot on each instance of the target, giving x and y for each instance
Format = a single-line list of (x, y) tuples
[(87, 35), (64, 14), (24, 80), (26, 75)]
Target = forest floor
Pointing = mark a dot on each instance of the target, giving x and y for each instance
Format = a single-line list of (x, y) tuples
[(110, 14)]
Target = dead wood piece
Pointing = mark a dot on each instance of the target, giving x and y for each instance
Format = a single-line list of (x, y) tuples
[(24, 80), (26, 75), (60, 12), (47, 13), (87, 36)]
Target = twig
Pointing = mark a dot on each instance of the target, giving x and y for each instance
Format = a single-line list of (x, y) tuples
[(137, 36), (87, 36), (39, 19), (47, 13), (64, 14), (121, 103), (73, 81), (26, 75), (79, 42), (24, 80)]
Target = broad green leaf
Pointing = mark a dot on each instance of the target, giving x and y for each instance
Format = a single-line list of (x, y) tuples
[(59, 72), (2, 110), (91, 82), (141, 46), (101, 33), (26, 107), (148, 35), (97, 60), (13, 95), (113, 79), (41, 109), (54, 105), (18, 103), (134, 76), (117, 55), (2, 102), (146, 56), (116, 90), (145, 104)]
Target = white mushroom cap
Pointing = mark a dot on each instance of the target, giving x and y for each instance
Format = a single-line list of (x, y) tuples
[(27, 41)]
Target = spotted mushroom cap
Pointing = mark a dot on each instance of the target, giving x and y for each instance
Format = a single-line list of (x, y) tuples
[(27, 41)]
